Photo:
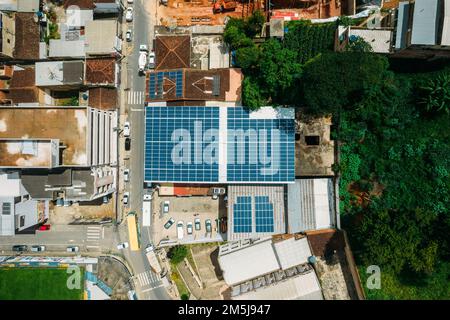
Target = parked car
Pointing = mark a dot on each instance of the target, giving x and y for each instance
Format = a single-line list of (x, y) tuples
[(126, 175), (37, 248), (20, 248), (189, 228), (208, 225), (126, 129), (121, 246), (180, 230), (126, 197), (130, 1), (73, 249), (128, 36), (151, 60), (165, 206), (44, 227), (169, 223), (127, 144), (197, 224), (129, 14), (143, 48)]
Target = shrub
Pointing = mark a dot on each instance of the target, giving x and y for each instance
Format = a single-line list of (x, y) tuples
[(177, 254)]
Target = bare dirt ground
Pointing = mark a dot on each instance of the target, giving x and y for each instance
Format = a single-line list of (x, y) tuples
[(115, 276), (81, 213), (194, 12)]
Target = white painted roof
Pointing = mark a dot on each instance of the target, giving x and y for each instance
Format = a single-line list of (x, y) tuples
[(248, 262), (446, 25), (62, 48), (424, 26), (292, 252), (379, 40)]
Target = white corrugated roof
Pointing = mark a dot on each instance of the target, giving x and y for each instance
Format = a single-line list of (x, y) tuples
[(302, 287), (446, 25), (292, 252), (248, 262)]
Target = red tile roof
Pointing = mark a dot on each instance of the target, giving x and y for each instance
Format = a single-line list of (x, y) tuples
[(82, 4), (27, 37), (103, 98), (101, 71), (173, 52)]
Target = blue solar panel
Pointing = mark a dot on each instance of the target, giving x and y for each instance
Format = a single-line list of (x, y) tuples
[(263, 149), (167, 156), (242, 214), (263, 214), (157, 82)]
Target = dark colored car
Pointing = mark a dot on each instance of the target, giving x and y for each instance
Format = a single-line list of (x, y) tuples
[(169, 223), (127, 144), (20, 248)]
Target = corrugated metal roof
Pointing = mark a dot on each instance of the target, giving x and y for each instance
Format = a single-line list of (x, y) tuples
[(292, 252), (425, 22), (446, 25), (310, 205), (402, 25), (276, 197)]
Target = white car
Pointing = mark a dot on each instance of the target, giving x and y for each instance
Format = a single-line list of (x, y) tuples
[(149, 248), (180, 230), (189, 228), (126, 197), (129, 14), (121, 246), (151, 60), (126, 129), (130, 1), (129, 36), (143, 47), (37, 248), (126, 175), (165, 207)]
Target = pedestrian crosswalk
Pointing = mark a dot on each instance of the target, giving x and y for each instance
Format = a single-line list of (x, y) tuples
[(135, 97), (94, 233), (148, 278)]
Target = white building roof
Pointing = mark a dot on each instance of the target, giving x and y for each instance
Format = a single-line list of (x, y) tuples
[(446, 25), (49, 73), (77, 17), (248, 262), (425, 21), (292, 252), (379, 40), (302, 287)]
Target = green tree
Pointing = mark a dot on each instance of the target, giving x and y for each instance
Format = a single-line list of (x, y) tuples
[(359, 45), (252, 97), (247, 58), (437, 94), (177, 254), (254, 24)]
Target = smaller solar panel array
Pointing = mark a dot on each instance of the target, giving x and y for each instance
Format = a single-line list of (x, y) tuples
[(242, 214), (156, 88), (264, 214)]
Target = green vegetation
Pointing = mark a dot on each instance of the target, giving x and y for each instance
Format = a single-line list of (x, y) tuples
[(73, 101), (392, 129), (177, 254), (37, 284), (53, 33), (181, 286)]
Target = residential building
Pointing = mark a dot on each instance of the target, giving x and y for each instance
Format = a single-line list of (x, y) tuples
[(102, 38), (59, 74), (18, 211)]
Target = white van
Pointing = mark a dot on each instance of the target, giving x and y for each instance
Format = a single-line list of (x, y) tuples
[(180, 230)]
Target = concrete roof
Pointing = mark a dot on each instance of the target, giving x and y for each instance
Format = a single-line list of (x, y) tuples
[(57, 73), (402, 24), (248, 262), (445, 41), (62, 48), (425, 22), (101, 37), (310, 205), (68, 124)]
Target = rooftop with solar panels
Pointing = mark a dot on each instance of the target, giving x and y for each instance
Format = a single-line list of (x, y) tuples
[(219, 145)]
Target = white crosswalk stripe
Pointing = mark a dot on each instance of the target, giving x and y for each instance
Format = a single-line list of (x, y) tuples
[(94, 233), (148, 278), (135, 97)]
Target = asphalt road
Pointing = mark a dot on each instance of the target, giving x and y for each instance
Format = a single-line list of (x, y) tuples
[(147, 283)]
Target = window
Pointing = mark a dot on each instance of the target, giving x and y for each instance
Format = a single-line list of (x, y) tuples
[(26, 197), (22, 221), (6, 208), (312, 140)]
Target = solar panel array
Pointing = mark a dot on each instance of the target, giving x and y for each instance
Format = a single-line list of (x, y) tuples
[(263, 214), (160, 125), (247, 160), (266, 129), (156, 82), (242, 216)]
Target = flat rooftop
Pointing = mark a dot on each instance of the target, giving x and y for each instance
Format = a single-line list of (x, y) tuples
[(68, 124), (27, 153)]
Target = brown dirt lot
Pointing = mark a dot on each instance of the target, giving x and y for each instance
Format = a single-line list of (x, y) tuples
[(65, 215), (182, 11)]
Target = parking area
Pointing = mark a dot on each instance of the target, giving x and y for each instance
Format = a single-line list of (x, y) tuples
[(188, 210), (83, 212)]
